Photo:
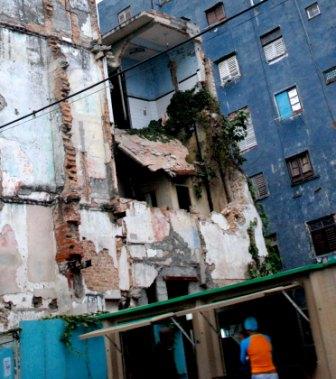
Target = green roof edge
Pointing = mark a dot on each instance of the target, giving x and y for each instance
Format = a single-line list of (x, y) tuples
[(218, 290)]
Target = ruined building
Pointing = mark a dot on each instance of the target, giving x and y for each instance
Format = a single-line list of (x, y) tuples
[(80, 230)]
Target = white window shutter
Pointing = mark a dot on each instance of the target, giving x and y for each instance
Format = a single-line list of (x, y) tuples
[(229, 69), (250, 140), (274, 49)]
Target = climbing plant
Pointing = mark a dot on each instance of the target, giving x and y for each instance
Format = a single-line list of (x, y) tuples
[(261, 266), (197, 111), (72, 323)]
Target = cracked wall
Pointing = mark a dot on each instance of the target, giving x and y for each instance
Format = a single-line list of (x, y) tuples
[(54, 164), (67, 243)]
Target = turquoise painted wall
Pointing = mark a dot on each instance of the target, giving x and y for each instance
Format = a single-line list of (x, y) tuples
[(44, 356)]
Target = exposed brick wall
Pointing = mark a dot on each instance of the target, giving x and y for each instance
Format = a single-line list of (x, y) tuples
[(67, 216), (102, 275)]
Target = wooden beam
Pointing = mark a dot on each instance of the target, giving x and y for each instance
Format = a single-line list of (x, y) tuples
[(320, 289), (236, 300), (125, 327)]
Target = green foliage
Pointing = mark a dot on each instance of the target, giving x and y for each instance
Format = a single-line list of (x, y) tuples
[(262, 266), (184, 112), (154, 132), (197, 108), (74, 322)]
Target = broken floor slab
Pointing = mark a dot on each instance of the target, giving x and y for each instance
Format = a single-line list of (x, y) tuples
[(155, 155)]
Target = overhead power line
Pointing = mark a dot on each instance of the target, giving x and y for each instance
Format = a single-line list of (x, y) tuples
[(201, 33)]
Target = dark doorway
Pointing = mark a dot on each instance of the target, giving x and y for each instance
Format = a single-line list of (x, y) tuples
[(293, 348)]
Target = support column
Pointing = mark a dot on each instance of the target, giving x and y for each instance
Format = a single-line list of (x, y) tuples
[(209, 357), (320, 289), (115, 365)]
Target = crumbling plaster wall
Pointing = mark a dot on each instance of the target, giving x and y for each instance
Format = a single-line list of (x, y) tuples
[(57, 179), (150, 244), (55, 163)]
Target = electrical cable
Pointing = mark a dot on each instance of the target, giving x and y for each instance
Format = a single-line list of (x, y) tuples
[(121, 72)]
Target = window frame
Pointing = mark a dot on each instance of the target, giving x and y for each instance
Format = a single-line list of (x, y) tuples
[(257, 193), (124, 12), (249, 126), (310, 6), (322, 230), (291, 103), (303, 176), (270, 39), (211, 13), (329, 81), (233, 78)]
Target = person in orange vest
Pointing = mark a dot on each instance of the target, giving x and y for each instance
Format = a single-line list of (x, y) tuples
[(257, 348)]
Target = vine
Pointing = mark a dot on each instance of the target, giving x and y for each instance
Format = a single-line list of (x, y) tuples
[(72, 323), (261, 266), (219, 150)]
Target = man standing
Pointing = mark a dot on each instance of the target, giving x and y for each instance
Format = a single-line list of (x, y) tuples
[(258, 349)]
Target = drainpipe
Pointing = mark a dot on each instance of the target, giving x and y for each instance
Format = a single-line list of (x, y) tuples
[(205, 180)]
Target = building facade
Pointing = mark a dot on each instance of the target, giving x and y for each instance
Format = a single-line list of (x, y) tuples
[(93, 218), (276, 59)]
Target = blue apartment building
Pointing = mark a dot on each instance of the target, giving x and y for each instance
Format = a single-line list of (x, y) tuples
[(277, 60)]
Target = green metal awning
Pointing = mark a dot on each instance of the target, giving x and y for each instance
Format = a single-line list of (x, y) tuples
[(139, 323), (215, 294), (215, 298)]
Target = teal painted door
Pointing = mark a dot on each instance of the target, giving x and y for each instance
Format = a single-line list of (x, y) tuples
[(44, 356)]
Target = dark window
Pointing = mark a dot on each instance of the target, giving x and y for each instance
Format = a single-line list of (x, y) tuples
[(176, 288), (215, 14), (183, 196), (330, 75), (151, 293), (300, 168), (260, 186), (323, 233), (273, 247)]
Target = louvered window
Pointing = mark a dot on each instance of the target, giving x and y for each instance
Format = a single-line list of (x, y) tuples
[(124, 15), (300, 167), (215, 14), (330, 75), (313, 11), (260, 186), (273, 45), (250, 140), (323, 233), (229, 69)]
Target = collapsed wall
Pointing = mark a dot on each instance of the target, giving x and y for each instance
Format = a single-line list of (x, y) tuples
[(65, 246)]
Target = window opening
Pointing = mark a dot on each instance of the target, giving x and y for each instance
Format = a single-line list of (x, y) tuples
[(288, 103), (177, 287), (215, 14), (330, 75), (323, 233), (300, 167), (273, 45), (119, 100), (229, 69), (124, 15), (260, 186), (250, 139), (183, 196), (313, 10)]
